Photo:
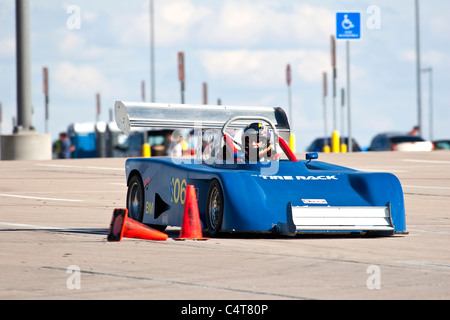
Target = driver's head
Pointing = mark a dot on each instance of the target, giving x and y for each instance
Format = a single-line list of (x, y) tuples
[(256, 140)]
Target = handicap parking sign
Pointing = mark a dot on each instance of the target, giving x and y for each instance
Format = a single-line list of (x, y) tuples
[(348, 25)]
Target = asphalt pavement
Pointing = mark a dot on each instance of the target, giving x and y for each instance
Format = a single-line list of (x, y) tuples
[(54, 218)]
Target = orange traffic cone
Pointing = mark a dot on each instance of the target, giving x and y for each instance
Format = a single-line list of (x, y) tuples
[(191, 228), (122, 226)]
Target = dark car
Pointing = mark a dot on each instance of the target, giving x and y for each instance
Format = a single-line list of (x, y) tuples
[(399, 142), (159, 141), (442, 144), (317, 145)]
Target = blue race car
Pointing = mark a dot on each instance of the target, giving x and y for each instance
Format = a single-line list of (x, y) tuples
[(241, 189)]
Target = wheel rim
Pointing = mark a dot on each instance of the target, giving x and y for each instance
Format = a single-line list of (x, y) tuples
[(215, 207), (135, 201)]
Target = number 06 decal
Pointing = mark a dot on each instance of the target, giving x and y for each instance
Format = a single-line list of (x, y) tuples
[(178, 191)]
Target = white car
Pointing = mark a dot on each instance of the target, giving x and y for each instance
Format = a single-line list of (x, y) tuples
[(400, 142)]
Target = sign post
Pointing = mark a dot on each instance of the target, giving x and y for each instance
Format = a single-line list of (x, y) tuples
[(348, 27), (289, 81), (45, 83), (205, 93), (326, 147), (143, 90), (181, 76), (98, 107)]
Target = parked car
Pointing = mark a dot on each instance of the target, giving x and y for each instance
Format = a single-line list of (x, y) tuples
[(393, 141), (317, 145), (159, 140), (441, 144)]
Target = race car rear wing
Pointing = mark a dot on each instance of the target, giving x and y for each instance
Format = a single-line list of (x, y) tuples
[(183, 116)]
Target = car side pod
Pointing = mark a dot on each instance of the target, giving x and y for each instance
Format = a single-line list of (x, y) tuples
[(191, 228), (122, 226)]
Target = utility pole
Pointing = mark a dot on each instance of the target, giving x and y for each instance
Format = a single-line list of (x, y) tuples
[(24, 106), (24, 143), (152, 52), (418, 70)]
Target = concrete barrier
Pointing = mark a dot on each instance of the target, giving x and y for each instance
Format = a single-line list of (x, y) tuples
[(26, 146)]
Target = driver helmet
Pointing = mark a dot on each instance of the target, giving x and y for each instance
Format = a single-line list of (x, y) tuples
[(256, 141)]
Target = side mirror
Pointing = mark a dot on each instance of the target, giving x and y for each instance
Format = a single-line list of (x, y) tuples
[(312, 156)]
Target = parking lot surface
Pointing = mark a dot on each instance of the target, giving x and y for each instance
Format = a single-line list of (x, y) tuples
[(54, 217)]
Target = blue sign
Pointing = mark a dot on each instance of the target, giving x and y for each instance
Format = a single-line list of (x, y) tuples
[(348, 25)]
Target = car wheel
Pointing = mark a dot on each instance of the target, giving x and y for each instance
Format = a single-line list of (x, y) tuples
[(214, 208), (135, 198)]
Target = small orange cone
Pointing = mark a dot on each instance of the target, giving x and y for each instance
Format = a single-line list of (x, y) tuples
[(122, 226), (191, 228)]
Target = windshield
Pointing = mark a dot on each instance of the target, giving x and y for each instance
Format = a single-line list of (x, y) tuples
[(233, 147)]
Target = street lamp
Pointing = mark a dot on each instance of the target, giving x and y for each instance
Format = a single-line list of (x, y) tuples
[(152, 52), (418, 69)]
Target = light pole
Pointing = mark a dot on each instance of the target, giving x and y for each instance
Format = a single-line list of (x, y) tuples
[(25, 143), (24, 108), (152, 53), (418, 70)]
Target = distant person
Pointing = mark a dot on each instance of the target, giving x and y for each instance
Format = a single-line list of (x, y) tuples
[(177, 150), (414, 131), (63, 147)]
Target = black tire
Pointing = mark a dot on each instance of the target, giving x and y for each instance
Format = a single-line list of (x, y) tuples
[(136, 198), (136, 202), (214, 208)]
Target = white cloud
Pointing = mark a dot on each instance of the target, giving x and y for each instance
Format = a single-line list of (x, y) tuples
[(312, 24), (81, 80), (175, 20), (179, 13), (89, 16), (241, 48), (7, 47), (434, 58), (173, 23), (263, 67), (249, 23), (73, 44), (72, 41), (233, 23)]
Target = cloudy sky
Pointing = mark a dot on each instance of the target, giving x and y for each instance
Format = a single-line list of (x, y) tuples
[(241, 49)]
